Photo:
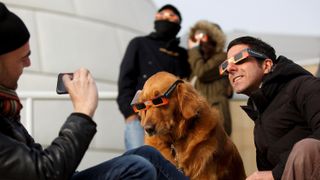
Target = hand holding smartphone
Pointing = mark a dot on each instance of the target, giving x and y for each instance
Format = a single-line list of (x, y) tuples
[(82, 89), (61, 89)]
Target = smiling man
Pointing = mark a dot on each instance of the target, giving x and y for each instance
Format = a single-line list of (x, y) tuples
[(284, 105)]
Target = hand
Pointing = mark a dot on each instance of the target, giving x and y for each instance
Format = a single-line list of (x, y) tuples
[(192, 44), (261, 175), (83, 91)]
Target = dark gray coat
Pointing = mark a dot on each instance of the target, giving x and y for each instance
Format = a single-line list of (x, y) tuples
[(287, 110)]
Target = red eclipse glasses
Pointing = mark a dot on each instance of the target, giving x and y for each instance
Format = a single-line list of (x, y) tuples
[(242, 55), (155, 102)]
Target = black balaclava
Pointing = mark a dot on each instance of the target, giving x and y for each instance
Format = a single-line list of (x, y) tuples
[(166, 29)]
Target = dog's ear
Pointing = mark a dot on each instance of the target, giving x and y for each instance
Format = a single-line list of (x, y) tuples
[(188, 100)]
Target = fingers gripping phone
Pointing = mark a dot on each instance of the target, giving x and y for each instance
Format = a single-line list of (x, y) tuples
[(61, 89)]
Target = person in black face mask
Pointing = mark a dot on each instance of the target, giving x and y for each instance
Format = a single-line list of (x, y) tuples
[(145, 56), (167, 23)]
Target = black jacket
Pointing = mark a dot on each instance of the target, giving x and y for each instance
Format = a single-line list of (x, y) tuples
[(23, 159), (287, 110), (142, 59)]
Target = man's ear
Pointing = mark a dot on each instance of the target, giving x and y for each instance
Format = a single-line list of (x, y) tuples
[(267, 65)]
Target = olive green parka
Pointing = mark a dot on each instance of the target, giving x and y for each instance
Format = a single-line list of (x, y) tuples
[(205, 72)]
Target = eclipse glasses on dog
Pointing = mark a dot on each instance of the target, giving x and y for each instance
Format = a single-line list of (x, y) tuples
[(155, 102), (242, 55)]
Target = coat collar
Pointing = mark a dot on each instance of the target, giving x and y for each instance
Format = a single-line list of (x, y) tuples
[(283, 72)]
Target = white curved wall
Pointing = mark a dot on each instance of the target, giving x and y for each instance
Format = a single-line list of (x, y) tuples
[(68, 34)]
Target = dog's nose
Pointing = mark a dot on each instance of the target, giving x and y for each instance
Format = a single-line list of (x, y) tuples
[(150, 129)]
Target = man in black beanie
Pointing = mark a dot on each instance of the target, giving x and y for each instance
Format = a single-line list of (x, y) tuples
[(145, 56), (22, 158), (13, 35)]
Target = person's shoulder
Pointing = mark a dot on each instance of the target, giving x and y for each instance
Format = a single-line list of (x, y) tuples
[(135, 42), (304, 88), (305, 83), (308, 79), (139, 39)]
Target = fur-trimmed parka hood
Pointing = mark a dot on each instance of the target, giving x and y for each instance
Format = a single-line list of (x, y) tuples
[(214, 32)]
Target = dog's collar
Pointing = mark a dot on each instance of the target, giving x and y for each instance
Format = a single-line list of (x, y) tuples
[(175, 154)]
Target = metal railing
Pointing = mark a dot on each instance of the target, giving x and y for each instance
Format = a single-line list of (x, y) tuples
[(30, 96)]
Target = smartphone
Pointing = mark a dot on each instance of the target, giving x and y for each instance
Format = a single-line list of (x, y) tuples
[(61, 89)]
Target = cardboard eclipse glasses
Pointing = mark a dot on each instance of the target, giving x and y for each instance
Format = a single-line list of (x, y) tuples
[(155, 102), (242, 55)]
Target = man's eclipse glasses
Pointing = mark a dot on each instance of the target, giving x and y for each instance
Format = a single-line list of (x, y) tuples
[(242, 55)]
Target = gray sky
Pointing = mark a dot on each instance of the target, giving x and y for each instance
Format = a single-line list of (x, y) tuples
[(294, 17)]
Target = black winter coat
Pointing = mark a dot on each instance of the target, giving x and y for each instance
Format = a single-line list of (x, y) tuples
[(287, 110), (142, 59), (23, 159)]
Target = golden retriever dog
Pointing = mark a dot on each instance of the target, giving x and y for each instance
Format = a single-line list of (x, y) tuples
[(182, 126)]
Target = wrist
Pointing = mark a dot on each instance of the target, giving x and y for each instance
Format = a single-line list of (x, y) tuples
[(87, 112)]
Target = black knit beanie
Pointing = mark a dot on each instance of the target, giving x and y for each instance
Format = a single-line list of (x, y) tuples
[(174, 9), (13, 32)]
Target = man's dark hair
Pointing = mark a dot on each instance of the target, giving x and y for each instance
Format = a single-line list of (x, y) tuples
[(256, 45)]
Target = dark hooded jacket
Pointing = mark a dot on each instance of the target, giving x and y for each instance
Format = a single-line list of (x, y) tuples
[(214, 87), (284, 110), (144, 57), (22, 158)]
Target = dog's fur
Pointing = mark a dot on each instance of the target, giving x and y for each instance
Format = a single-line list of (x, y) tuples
[(188, 132)]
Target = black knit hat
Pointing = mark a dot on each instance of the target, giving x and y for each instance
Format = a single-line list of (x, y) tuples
[(13, 32), (174, 9)]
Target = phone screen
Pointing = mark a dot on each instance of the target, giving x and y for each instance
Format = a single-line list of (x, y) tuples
[(61, 89)]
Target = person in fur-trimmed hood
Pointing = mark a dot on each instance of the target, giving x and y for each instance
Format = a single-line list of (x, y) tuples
[(206, 52)]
